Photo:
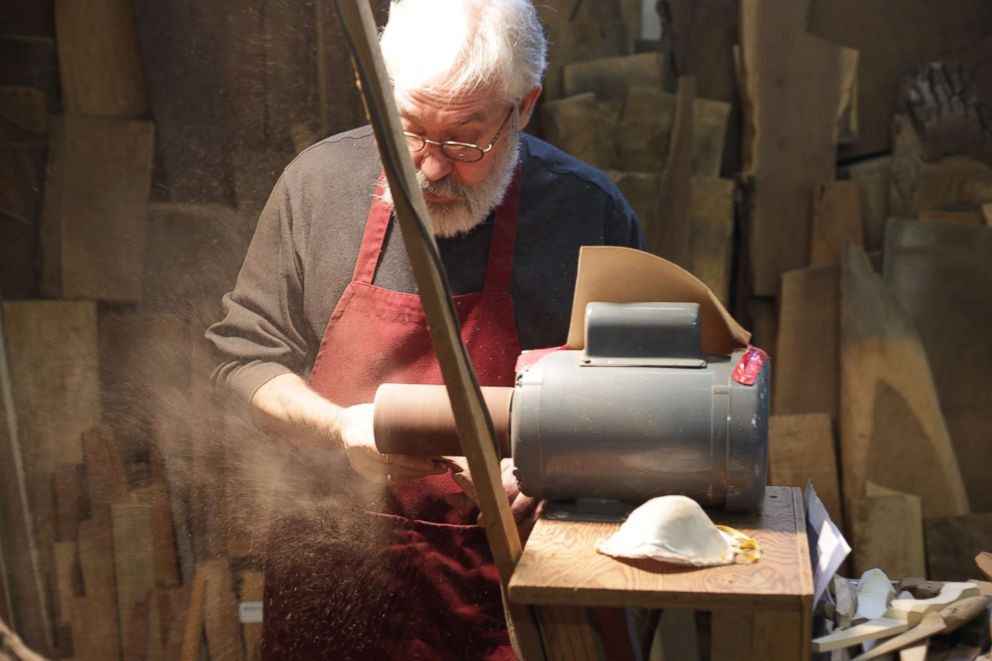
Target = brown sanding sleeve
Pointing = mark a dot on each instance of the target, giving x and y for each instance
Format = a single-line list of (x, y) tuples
[(417, 419)]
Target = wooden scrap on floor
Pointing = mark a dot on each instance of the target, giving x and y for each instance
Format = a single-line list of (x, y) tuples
[(96, 612), (220, 612), (101, 77), (891, 427), (155, 497), (806, 363), (873, 175), (670, 234), (859, 633), (784, 68), (836, 221), (574, 124), (801, 449), (251, 594), (886, 532), (940, 276), (134, 558), (95, 210), (892, 36), (953, 542)]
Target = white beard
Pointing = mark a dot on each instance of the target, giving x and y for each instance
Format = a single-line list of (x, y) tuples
[(472, 205)]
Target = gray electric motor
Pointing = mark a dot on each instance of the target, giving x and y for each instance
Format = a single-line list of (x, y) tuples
[(642, 412)]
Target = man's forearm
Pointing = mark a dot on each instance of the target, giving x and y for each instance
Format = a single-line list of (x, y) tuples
[(286, 406)]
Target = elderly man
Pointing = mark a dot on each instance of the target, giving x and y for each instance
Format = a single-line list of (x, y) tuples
[(389, 563)]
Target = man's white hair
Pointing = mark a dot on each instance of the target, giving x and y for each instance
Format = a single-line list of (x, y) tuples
[(455, 47)]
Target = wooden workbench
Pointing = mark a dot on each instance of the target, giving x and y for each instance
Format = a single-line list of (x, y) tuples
[(760, 611)]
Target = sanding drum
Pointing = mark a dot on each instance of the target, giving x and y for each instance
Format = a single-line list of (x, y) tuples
[(640, 412)]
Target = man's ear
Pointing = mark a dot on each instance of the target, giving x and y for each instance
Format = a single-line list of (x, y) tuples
[(527, 105)]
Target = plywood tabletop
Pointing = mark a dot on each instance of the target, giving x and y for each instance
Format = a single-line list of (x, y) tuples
[(560, 565)]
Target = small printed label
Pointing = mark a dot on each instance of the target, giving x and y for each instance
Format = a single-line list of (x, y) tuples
[(250, 612)]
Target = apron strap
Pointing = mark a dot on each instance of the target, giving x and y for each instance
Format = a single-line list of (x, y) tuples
[(375, 233)]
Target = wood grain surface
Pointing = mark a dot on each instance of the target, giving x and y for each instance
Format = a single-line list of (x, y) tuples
[(802, 448), (836, 220), (892, 429), (560, 565), (806, 360)]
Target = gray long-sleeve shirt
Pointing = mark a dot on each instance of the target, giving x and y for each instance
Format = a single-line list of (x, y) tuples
[(303, 254)]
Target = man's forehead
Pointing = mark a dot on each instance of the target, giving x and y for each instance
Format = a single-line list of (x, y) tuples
[(477, 107)]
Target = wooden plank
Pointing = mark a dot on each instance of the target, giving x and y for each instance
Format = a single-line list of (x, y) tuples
[(70, 487), (972, 218), (97, 610), (953, 543), (53, 367), (136, 638), (783, 634), (25, 115), (22, 169), (220, 612), (907, 162), (807, 363), (106, 478), (560, 565), (764, 321), (670, 234), (873, 175), (709, 129), (575, 33), (252, 591), (641, 137), (611, 78), (134, 558), (567, 634), (95, 209), (192, 252), (65, 569), (30, 61), (575, 125), (191, 633), (100, 77), (156, 498), (699, 38), (801, 449), (20, 561), (887, 533), (940, 276), (640, 189), (784, 68), (953, 183), (711, 221), (732, 635), (892, 430), (895, 35), (836, 221)]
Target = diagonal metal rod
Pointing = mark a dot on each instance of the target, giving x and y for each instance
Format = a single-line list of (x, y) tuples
[(475, 427)]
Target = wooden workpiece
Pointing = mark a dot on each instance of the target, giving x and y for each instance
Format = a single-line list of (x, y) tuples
[(560, 566)]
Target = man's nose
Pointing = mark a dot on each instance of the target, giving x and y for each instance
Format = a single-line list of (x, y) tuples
[(433, 163)]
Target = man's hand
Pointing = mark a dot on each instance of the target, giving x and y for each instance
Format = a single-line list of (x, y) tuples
[(357, 439), (526, 510)]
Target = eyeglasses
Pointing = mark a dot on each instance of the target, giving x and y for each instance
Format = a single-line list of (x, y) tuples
[(457, 151)]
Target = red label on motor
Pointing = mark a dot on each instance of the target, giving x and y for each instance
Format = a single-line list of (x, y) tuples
[(750, 365)]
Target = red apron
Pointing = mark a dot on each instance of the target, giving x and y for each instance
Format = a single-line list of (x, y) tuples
[(413, 579)]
